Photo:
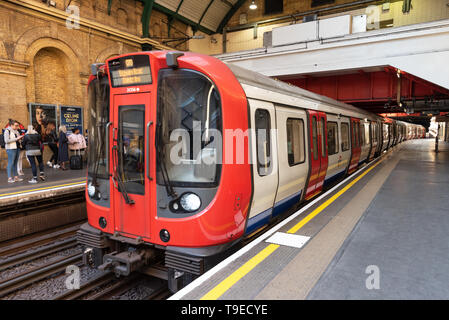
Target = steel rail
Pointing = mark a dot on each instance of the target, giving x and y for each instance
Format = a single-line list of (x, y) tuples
[(37, 253), (38, 273)]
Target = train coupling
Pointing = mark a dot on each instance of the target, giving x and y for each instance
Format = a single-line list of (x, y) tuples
[(123, 263)]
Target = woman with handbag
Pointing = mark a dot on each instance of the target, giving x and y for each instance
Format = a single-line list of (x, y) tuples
[(12, 137)]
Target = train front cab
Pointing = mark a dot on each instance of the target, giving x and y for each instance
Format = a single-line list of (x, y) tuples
[(140, 205)]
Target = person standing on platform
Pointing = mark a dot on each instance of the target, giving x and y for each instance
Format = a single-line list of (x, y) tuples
[(77, 142), (33, 143), (21, 151), (12, 137), (63, 149), (52, 139)]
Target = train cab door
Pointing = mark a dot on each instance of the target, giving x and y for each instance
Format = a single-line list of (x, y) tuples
[(318, 153), (129, 159), (356, 148)]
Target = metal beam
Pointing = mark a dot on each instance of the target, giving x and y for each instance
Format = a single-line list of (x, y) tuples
[(171, 18), (204, 13), (109, 7), (181, 18), (146, 15), (229, 15)]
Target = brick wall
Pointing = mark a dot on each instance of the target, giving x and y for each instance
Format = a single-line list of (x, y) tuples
[(41, 60)]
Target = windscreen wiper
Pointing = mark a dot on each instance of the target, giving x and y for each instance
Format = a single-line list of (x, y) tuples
[(117, 177), (161, 162)]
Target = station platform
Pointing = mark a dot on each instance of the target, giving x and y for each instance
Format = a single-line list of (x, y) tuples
[(379, 234), (57, 182)]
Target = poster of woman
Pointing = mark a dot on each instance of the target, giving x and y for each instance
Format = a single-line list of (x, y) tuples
[(44, 119)]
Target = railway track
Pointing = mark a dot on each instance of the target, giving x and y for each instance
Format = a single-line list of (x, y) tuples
[(23, 244), (38, 273), (106, 286), (42, 251)]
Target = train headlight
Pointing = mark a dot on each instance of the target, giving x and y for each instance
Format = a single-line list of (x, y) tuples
[(91, 190), (190, 202)]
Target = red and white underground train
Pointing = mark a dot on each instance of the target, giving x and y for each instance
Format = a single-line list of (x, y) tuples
[(142, 207)]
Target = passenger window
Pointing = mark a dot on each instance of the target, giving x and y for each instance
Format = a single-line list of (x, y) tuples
[(356, 135), (295, 141), (344, 137), (323, 138), (367, 137), (361, 134), (263, 146), (332, 138), (314, 139)]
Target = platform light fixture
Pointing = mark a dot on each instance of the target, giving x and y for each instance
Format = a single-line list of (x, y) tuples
[(253, 5)]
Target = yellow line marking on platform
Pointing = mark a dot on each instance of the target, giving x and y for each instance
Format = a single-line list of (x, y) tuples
[(44, 188), (227, 283), (223, 286)]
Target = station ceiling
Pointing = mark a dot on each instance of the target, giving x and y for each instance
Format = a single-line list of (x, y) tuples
[(384, 90), (208, 16)]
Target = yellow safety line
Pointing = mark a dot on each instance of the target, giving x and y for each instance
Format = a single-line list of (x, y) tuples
[(223, 286), (227, 283), (46, 188)]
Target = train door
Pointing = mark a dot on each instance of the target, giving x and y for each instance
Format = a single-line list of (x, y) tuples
[(264, 163), (131, 187), (365, 142), (356, 149), (345, 138), (293, 162), (318, 153), (385, 136), (374, 141)]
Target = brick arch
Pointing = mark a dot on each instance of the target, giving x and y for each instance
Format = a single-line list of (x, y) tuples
[(71, 68), (42, 36), (122, 17), (108, 53)]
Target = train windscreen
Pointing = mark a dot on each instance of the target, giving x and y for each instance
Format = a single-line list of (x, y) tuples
[(98, 97), (189, 128)]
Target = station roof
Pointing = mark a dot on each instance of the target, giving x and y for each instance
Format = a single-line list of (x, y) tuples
[(209, 16)]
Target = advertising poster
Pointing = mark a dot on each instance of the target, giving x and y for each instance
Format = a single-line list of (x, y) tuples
[(44, 119), (72, 117)]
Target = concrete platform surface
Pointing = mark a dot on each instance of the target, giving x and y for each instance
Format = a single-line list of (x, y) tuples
[(380, 234)]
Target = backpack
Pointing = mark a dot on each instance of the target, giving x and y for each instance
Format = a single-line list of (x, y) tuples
[(2, 139)]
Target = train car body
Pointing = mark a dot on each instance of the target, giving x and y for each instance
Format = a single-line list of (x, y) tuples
[(189, 155)]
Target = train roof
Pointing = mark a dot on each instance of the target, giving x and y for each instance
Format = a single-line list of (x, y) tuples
[(256, 79)]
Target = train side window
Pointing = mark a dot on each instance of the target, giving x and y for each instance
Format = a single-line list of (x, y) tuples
[(367, 137), (361, 134), (332, 138), (344, 137), (356, 135), (314, 139), (323, 138), (263, 146), (295, 141)]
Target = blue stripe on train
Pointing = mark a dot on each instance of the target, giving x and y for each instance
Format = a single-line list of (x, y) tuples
[(334, 178), (264, 218), (258, 221)]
